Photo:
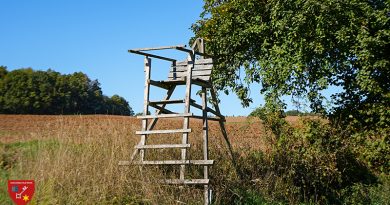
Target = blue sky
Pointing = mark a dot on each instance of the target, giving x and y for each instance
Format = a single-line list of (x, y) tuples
[(94, 36)]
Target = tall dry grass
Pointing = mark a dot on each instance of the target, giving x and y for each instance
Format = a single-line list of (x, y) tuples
[(74, 159)]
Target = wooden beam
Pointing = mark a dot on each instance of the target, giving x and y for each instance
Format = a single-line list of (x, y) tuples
[(186, 181), (166, 102), (162, 146), (202, 83), (159, 84), (151, 55), (165, 116), (177, 162), (148, 132), (168, 162), (159, 48)]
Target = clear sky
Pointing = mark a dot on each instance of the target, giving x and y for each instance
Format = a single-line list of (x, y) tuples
[(94, 36)]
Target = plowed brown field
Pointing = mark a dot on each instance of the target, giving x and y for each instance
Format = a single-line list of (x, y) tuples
[(243, 132)]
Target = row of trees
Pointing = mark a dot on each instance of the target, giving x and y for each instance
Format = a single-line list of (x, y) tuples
[(26, 91)]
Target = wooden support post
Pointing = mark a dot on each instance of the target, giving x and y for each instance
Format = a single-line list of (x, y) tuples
[(205, 144), (201, 47), (223, 130), (198, 46), (190, 66), (148, 65), (174, 70)]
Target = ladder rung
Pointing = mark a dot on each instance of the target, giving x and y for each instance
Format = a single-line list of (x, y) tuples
[(165, 116), (186, 181), (176, 162), (166, 102), (162, 131), (162, 146)]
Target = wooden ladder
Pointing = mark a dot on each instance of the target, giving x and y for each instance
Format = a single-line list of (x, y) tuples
[(149, 121)]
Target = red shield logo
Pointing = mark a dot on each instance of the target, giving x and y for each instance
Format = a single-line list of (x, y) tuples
[(21, 191)]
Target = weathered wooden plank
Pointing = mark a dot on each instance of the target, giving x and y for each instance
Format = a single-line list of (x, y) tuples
[(162, 146), (197, 62), (176, 162), (158, 48), (165, 116), (152, 55), (180, 81), (166, 102), (194, 73), (202, 83), (160, 84), (186, 181), (183, 68), (148, 132), (204, 78)]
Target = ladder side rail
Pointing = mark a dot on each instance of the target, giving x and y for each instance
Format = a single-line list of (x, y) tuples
[(205, 144), (190, 66), (147, 67)]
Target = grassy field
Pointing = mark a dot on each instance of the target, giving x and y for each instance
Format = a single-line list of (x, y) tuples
[(73, 159)]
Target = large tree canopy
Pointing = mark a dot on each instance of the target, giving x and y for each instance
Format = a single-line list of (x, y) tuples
[(301, 47)]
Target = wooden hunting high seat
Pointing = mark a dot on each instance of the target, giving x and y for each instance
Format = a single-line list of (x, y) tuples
[(196, 69)]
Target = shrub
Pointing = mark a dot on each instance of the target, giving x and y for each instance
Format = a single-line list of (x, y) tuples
[(314, 163)]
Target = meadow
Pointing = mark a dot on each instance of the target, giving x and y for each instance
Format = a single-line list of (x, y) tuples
[(73, 159)]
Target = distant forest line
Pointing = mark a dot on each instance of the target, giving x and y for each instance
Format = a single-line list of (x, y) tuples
[(28, 91)]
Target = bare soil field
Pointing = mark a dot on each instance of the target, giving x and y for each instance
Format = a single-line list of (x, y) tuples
[(242, 131)]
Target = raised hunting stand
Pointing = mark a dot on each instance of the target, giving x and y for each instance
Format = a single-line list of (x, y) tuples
[(196, 70)]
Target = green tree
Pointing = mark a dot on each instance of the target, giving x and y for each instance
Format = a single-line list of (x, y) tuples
[(117, 105), (300, 48), (3, 71), (25, 91)]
